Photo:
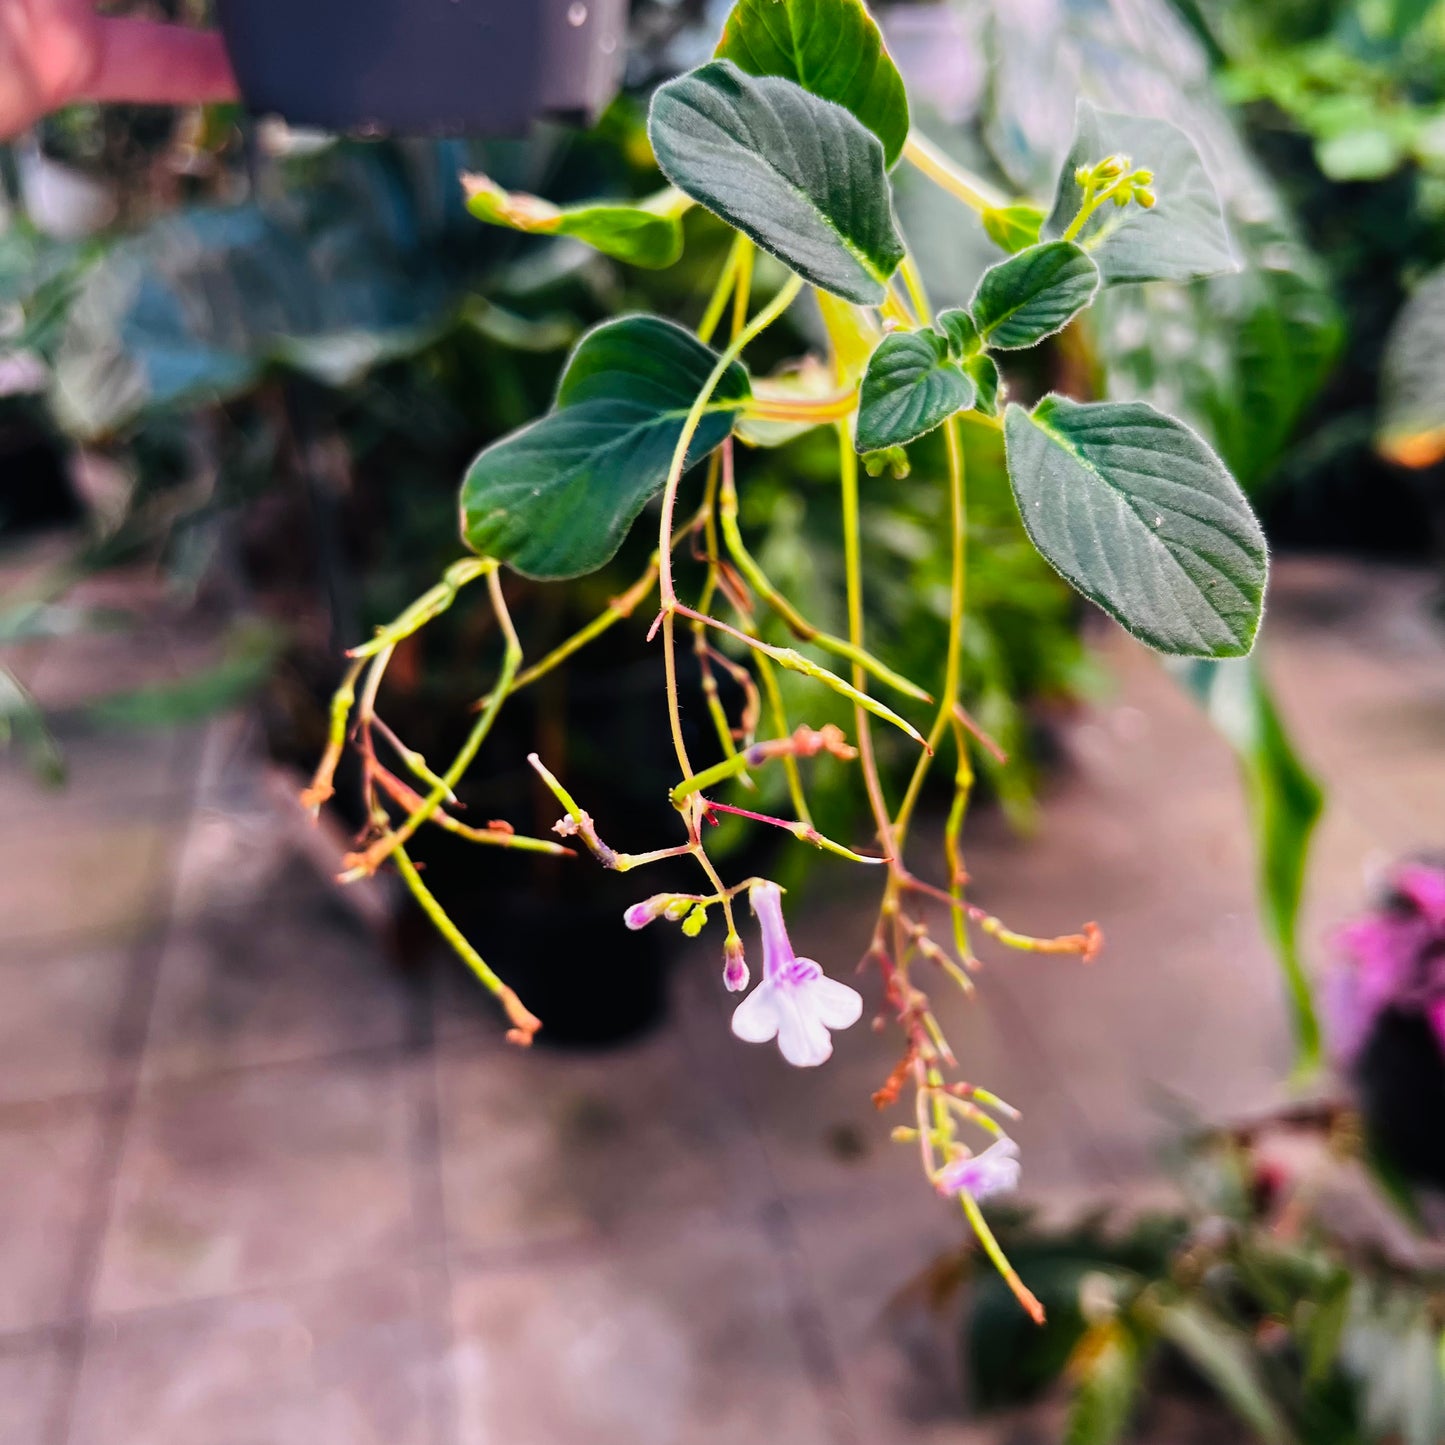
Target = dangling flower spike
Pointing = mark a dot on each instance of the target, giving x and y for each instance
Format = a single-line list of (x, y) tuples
[(796, 1003)]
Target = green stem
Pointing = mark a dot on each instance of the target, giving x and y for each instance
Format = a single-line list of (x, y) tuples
[(942, 169)]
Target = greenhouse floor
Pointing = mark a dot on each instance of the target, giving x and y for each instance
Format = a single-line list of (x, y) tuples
[(259, 1188)]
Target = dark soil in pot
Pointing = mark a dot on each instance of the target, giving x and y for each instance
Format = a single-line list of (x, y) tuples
[(426, 66)]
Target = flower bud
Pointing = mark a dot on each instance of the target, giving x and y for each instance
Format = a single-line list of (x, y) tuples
[(695, 921), (649, 910), (735, 966), (1146, 198), (1111, 168)]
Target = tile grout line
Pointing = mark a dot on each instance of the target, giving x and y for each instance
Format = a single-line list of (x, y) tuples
[(131, 1034)]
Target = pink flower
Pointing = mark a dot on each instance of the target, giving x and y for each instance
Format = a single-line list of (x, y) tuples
[(995, 1171), (1393, 958), (796, 1003), (735, 966)]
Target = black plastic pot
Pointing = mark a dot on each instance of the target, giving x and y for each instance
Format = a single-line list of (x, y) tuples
[(426, 66)]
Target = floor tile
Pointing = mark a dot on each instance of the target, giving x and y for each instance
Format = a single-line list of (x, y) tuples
[(260, 1178), (30, 1378), (101, 878), (345, 1363), (271, 985), (542, 1144), (48, 1158), (59, 1009), (688, 1339)]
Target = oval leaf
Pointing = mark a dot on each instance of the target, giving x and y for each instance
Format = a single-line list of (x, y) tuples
[(1138, 514), (798, 175), (1034, 294), (556, 498), (1183, 237), (911, 387), (647, 234), (1013, 227), (833, 49)]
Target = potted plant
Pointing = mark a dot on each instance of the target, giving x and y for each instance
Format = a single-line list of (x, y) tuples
[(463, 66)]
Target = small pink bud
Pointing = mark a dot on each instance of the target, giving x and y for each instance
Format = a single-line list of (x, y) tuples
[(735, 966), (649, 910)]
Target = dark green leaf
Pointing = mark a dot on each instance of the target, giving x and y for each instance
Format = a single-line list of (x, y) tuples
[(1181, 238), (1107, 1366), (645, 234), (911, 387), (249, 655), (1013, 227), (958, 329), (1412, 424), (1034, 294), (556, 498), (1138, 514), (984, 371), (1285, 803), (799, 175), (832, 48), (1221, 1353)]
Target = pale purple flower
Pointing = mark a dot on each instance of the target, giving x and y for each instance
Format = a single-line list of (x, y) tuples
[(995, 1171), (1393, 958), (796, 1003)]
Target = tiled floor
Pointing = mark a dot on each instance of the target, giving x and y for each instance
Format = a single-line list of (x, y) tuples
[(257, 1187)]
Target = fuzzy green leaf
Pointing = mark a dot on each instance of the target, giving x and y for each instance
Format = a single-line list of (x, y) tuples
[(986, 380), (556, 498), (1108, 1368), (799, 175), (833, 49), (957, 327), (912, 386), (1013, 227), (1034, 294), (1181, 238), (1135, 511), (647, 234)]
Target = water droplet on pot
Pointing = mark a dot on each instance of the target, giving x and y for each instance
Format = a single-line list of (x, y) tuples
[(577, 14)]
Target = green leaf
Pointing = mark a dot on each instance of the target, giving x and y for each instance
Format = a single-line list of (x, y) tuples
[(1183, 237), (1135, 511), (556, 498), (1285, 803), (23, 726), (833, 49), (646, 234), (984, 371), (798, 175), (957, 327), (1107, 1366), (1013, 227), (250, 653), (1034, 294), (912, 386), (1412, 379), (1220, 1353)]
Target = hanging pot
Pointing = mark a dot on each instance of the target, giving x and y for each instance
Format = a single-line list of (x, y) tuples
[(427, 67)]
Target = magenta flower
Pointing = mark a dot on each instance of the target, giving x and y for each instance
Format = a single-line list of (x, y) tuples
[(995, 1171), (796, 1003), (1393, 958)]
